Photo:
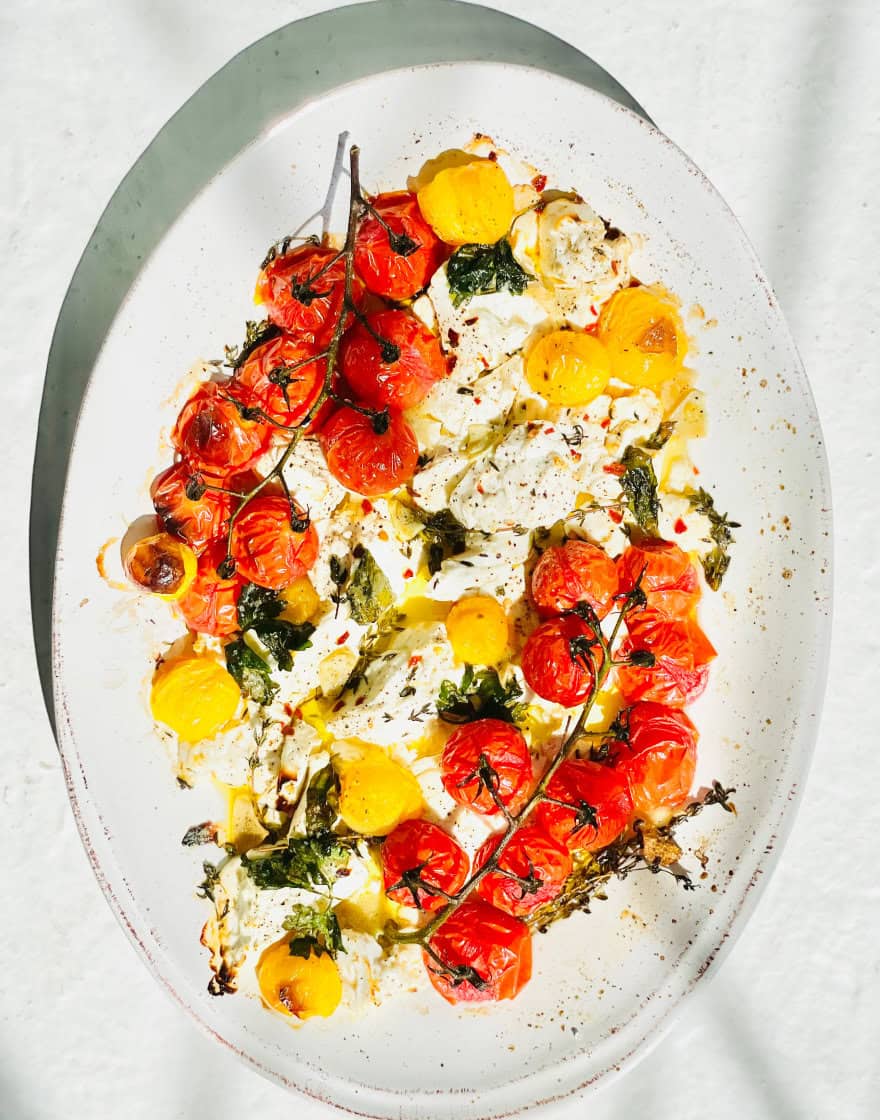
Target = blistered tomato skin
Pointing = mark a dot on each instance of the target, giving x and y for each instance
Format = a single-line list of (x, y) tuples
[(252, 384), (572, 573), (595, 805), (424, 850), (568, 368), (480, 941), (319, 280), (471, 203), (161, 565), (211, 435), (531, 871), (484, 756), (364, 460), (209, 605), (658, 760), (669, 578), (304, 987), (194, 696), (645, 336), (681, 651), (267, 548), (403, 382), (478, 630), (198, 521), (556, 663), (384, 271)]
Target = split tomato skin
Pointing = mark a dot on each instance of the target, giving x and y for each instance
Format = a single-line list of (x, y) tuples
[(209, 605), (314, 268), (531, 852), (580, 784), (670, 581), (212, 436), (504, 750), (554, 667), (682, 653), (423, 844), (268, 550), (197, 522), (404, 382), (364, 460), (385, 272), (252, 385), (658, 760), (497, 946), (572, 573)]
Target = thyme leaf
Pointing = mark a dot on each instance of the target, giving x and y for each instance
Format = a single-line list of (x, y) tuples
[(444, 535), (255, 335), (308, 863), (717, 560), (658, 439), (480, 695), (639, 484), (314, 931), (322, 801)]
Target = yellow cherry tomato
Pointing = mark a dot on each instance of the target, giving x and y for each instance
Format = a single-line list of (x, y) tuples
[(162, 565), (301, 601), (477, 630), (469, 203), (194, 696), (568, 368), (375, 792), (301, 986), (645, 336)]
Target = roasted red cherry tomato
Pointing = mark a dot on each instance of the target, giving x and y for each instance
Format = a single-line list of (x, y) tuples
[(595, 805), (378, 258), (483, 757), (419, 855), (365, 455), (303, 291), (418, 362), (198, 521), (559, 661), (268, 545), (484, 954), (211, 435), (682, 653), (658, 760), (281, 357), (572, 573), (209, 606), (531, 871), (670, 582)]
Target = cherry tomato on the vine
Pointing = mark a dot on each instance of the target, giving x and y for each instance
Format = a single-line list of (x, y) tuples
[(681, 652), (658, 760), (384, 268), (531, 871), (209, 606), (418, 362), (268, 548), (572, 573), (212, 436), (560, 661), (485, 757), (281, 357), (419, 855), (370, 455), (484, 954), (670, 580), (595, 805), (303, 291), (198, 521)]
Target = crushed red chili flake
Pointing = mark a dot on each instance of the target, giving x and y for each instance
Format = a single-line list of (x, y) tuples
[(473, 319), (539, 182), (549, 431), (617, 469), (478, 400), (451, 362), (696, 470), (343, 638), (593, 310), (493, 156), (367, 505), (576, 455), (453, 336), (359, 701), (480, 489), (408, 574), (616, 516), (606, 423), (592, 329), (615, 267), (414, 660), (339, 705), (298, 712), (680, 526)]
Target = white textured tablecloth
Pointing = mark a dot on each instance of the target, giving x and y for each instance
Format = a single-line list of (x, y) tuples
[(779, 103)]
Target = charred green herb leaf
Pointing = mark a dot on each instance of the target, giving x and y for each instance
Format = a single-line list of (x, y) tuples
[(661, 437), (444, 535), (250, 672), (639, 484), (717, 561), (205, 889), (369, 592), (197, 834), (256, 605), (308, 863), (281, 638), (480, 696), (255, 335), (322, 801), (479, 269), (314, 931)]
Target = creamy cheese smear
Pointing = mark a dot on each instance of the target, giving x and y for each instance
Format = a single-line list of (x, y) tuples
[(507, 465)]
